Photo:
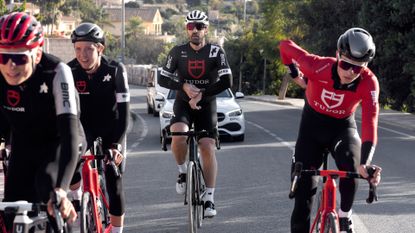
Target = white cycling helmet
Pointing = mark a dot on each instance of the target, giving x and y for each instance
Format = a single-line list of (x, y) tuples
[(197, 16)]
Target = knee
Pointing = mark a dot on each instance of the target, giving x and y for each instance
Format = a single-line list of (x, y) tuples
[(206, 145)]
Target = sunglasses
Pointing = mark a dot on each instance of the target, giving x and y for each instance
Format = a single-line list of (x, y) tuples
[(199, 26), (346, 66), (18, 58)]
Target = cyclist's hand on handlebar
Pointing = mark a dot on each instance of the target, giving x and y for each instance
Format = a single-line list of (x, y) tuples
[(191, 90), (66, 208), (118, 157), (194, 101), (375, 178)]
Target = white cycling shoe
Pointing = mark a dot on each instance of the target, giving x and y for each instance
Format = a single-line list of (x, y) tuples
[(210, 210), (181, 184)]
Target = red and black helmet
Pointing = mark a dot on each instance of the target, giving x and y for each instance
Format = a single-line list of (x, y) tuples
[(20, 30)]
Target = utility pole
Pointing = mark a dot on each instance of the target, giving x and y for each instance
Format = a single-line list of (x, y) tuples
[(122, 30)]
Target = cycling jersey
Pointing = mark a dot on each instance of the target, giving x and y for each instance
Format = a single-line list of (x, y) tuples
[(42, 113), (105, 99), (326, 95), (207, 69)]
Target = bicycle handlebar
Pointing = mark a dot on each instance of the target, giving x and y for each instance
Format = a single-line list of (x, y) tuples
[(334, 174), (190, 133)]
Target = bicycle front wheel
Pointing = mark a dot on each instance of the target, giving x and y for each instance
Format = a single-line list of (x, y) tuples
[(103, 202), (88, 221), (191, 195), (331, 224)]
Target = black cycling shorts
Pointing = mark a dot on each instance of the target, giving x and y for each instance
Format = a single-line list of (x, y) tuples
[(204, 119)]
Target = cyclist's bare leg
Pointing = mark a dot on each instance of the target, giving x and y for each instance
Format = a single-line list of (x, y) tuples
[(210, 166), (178, 143)]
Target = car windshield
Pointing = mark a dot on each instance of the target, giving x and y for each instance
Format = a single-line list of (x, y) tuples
[(224, 94)]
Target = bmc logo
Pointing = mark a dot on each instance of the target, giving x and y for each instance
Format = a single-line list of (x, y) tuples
[(334, 99)]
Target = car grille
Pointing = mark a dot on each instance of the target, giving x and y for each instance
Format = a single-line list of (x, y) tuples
[(221, 116), (231, 126)]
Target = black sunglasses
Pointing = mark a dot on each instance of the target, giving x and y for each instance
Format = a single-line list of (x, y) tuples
[(18, 59), (346, 66), (199, 26)]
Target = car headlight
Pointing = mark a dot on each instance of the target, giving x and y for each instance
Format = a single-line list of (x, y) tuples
[(235, 113), (167, 114)]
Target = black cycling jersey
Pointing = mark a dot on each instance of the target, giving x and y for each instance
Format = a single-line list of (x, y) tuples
[(105, 101), (206, 68), (42, 114)]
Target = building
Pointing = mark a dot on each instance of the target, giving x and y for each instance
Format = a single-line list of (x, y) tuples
[(151, 18)]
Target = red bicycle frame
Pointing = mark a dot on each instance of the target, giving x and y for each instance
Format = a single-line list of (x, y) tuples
[(328, 198), (90, 178)]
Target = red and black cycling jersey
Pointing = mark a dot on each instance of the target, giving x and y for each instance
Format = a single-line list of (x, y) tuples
[(327, 96), (104, 99), (206, 68), (42, 116)]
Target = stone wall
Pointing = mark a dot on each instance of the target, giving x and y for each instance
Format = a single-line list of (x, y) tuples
[(63, 48), (60, 47)]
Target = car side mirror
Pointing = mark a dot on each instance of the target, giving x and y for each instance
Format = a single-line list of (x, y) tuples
[(239, 95)]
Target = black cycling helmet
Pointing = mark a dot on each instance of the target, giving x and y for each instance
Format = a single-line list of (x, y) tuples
[(357, 44), (197, 16), (88, 32)]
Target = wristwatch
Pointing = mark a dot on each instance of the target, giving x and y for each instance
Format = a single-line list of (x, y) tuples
[(116, 146)]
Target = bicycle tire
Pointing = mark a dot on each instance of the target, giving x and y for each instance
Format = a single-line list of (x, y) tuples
[(87, 221), (200, 191), (331, 224), (192, 202), (318, 213), (103, 210)]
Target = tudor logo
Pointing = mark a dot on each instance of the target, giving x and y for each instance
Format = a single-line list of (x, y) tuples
[(13, 98), (81, 86), (334, 99), (196, 68)]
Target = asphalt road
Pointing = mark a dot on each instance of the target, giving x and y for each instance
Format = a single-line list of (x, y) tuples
[(253, 180)]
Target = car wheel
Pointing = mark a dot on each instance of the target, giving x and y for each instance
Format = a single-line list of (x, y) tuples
[(239, 138), (149, 109), (155, 113)]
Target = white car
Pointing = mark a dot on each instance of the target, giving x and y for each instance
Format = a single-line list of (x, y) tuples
[(154, 92), (231, 120)]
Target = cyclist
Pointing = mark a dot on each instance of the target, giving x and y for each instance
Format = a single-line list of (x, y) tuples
[(335, 88), (104, 93), (203, 72), (38, 103)]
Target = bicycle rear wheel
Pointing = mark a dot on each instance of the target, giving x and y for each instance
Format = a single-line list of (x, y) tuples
[(331, 224), (192, 198), (88, 221)]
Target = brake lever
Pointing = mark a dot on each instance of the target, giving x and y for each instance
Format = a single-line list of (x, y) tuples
[(56, 202), (373, 196), (113, 165)]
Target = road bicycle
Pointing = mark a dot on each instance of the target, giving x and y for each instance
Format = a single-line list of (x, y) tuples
[(94, 213), (195, 182), (32, 217), (327, 219)]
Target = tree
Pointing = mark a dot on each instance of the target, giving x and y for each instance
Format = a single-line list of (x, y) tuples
[(134, 28)]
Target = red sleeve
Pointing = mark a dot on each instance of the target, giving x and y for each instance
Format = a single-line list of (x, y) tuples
[(292, 53), (370, 107)]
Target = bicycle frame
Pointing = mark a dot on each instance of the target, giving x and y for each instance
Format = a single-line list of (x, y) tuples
[(90, 178)]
